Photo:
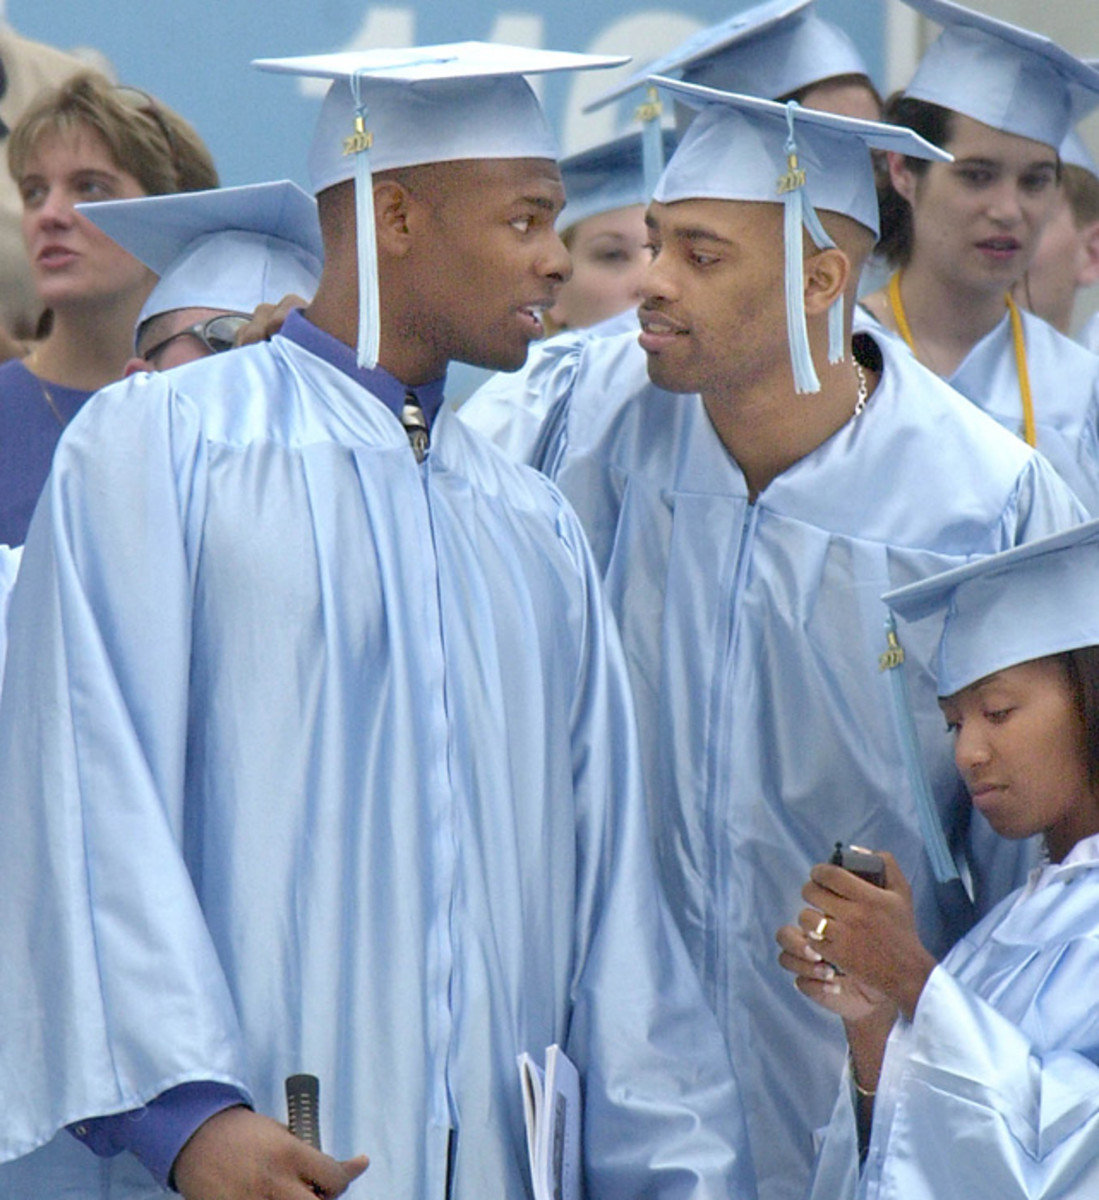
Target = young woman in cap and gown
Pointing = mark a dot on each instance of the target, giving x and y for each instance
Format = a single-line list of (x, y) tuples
[(976, 1076), (960, 235)]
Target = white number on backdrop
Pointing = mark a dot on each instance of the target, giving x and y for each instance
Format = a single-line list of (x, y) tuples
[(644, 36), (383, 25)]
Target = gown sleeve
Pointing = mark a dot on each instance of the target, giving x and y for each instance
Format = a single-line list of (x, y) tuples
[(93, 724)]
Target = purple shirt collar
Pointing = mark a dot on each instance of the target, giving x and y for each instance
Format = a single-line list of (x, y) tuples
[(388, 389)]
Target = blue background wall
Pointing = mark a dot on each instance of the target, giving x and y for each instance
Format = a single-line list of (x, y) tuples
[(195, 55)]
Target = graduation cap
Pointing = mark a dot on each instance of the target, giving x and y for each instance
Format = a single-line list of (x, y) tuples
[(607, 177), (1028, 602), (229, 248), (1008, 78), (1025, 603), (401, 108), (769, 50), (1074, 152), (745, 148)]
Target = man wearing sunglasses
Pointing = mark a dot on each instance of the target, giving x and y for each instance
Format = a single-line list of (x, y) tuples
[(219, 254), (184, 335)]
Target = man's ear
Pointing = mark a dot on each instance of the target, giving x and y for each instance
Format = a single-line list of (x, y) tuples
[(1087, 261), (827, 274), (136, 365), (392, 207)]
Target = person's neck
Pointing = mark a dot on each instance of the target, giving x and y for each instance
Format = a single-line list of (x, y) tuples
[(87, 347), (336, 311), (767, 427), (946, 320)]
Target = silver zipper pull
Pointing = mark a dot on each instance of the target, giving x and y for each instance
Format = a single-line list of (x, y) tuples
[(415, 424)]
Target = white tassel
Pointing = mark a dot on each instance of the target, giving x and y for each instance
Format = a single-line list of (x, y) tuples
[(799, 213), (365, 238), (836, 347), (801, 358), (791, 186), (652, 140)]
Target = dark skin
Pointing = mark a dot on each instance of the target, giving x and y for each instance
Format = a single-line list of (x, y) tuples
[(871, 936), (466, 251), (240, 1155), (713, 321), (1021, 750)]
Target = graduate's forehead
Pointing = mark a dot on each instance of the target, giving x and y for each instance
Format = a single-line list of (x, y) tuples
[(502, 180), (720, 219), (970, 136)]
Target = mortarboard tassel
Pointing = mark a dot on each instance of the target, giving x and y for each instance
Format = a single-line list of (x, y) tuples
[(934, 840), (798, 213), (652, 139), (366, 242)]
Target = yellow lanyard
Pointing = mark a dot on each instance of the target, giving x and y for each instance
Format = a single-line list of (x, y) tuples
[(1018, 342)]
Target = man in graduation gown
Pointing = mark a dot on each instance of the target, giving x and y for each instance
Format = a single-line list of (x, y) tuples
[(317, 749), (746, 534)]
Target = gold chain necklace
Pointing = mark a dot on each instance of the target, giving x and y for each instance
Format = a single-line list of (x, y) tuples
[(864, 389), (47, 395), (1018, 341)]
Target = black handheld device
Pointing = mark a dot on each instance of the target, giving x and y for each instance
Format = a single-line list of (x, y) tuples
[(863, 863), (302, 1107)]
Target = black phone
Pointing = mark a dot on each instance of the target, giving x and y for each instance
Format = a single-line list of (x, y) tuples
[(863, 863)]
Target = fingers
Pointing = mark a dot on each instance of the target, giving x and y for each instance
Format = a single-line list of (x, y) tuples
[(239, 1155), (330, 1178), (895, 879), (800, 957), (268, 319), (257, 329), (834, 879)]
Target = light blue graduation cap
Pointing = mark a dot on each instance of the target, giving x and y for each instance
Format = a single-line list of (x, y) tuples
[(1028, 602), (229, 248), (1008, 78), (1076, 154), (745, 148), (1074, 150), (770, 50), (392, 108), (607, 177)]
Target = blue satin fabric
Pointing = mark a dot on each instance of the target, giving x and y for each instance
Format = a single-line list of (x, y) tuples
[(316, 760), (990, 1093), (752, 634), (1064, 383)]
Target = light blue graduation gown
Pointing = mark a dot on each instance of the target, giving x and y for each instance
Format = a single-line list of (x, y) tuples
[(1064, 383), (992, 1091), (9, 566), (753, 633), (316, 760)]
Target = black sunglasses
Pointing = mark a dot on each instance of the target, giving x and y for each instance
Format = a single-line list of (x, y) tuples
[(217, 334)]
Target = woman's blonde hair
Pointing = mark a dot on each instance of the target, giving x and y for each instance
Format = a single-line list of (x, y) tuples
[(144, 137)]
